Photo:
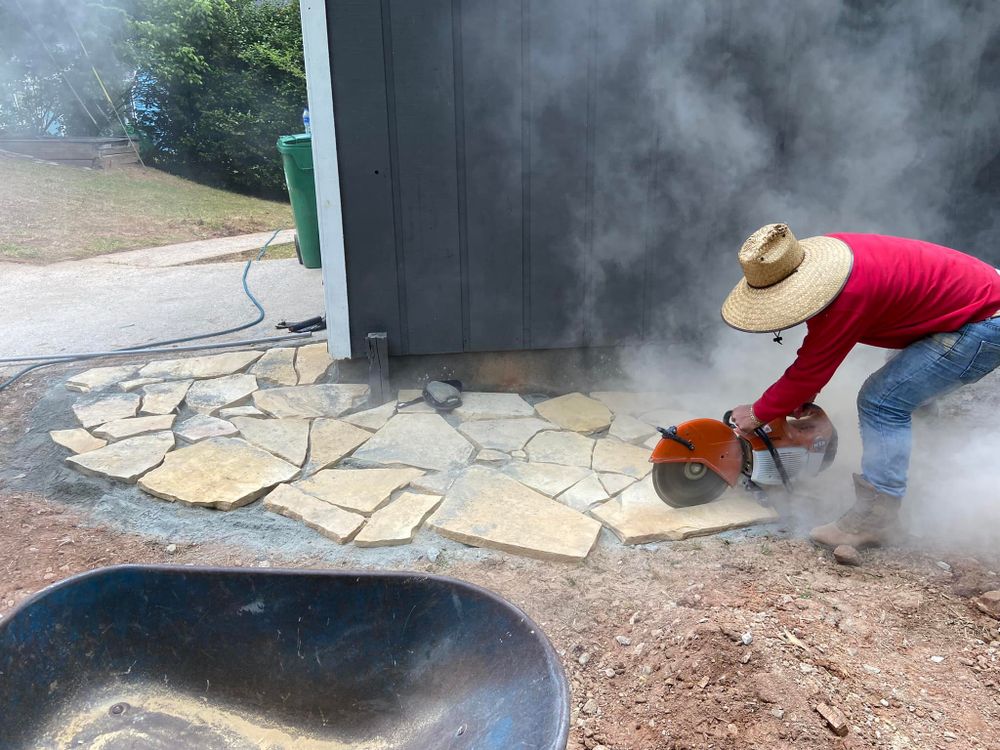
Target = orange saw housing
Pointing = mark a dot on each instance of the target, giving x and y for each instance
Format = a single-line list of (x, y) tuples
[(715, 445)]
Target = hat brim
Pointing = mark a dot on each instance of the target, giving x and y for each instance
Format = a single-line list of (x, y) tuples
[(824, 270)]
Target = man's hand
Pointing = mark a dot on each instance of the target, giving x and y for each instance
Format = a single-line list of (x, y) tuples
[(744, 419)]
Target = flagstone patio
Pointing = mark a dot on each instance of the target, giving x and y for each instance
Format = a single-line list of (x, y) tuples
[(537, 477)]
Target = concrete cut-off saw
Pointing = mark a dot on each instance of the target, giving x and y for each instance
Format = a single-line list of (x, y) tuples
[(696, 461)]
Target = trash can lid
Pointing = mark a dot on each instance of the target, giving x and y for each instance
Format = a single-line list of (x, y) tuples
[(300, 139)]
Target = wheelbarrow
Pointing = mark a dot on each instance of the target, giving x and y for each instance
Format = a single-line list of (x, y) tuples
[(156, 657)]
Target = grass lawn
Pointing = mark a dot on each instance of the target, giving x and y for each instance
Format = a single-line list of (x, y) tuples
[(50, 212)]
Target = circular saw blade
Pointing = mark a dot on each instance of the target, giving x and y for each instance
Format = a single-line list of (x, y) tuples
[(683, 485)]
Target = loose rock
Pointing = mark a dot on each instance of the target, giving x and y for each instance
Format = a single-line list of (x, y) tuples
[(847, 555), (835, 718)]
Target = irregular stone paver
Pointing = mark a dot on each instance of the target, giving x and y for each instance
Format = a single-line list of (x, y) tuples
[(632, 403), (519, 455), (240, 411), (652, 442), (486, 508), (488, 456), (77, 440), (277, 367), (422, 440), (576, 412), (202, 426), (212, 366), (332, 522), (223, 473), (207, 396), (372, 419), (615, 483), (638, 516), (331, 439), (93, 412), (164, 398), (285, 438), (493, 406), (131, 385), (125, 460), (329, 400), (549, 479), (398, 522), (566, 448), (361, 490), (584, 495), (312, 362), (123, 428), (436, 482), (666, 417), (504, 434), (421, 407), (617, 457), (99, 378), (630, 430)]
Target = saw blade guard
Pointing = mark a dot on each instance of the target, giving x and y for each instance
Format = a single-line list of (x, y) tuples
[(705, 441)]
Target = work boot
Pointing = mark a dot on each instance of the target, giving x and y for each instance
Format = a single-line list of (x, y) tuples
[(872, 521)]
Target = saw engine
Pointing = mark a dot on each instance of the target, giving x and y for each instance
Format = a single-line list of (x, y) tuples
[(696, 461)]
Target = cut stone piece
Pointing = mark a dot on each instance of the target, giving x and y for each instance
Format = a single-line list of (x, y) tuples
[(277, 366), (630, 430), (125, 460), (207, 396), (638, 516), (285, 438), (77, 440), (123, 428), (164, 398), (617, 457), (632, 403), (223, 473), (566, 448), (331, 439), (202, 426), (93, 412), (240, 411), (332, 522), (493, 406), (584, 495), (312, 362), (99, 378), (549, 479), (131, 385), (422, 440), (212, 366), (615, 483), (361, 490), (398, 522), (435, 483), (488, 456), (504, 434), (576, 412), (486, 508), (372, 419), (329, 400)]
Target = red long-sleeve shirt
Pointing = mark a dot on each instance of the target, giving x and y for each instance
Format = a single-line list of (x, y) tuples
[(899, 291)]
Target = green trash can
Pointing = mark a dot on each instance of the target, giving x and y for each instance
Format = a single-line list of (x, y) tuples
[(296, 154)]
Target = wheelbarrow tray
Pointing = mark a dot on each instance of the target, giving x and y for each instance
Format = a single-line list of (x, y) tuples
[(177, 657)]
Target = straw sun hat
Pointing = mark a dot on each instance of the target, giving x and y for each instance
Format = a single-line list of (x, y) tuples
[(786, 281)]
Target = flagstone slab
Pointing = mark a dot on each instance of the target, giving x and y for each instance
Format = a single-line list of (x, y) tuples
[(617, 457), (77, 440), (615, 483), (485, 508), (211, 366), (566, 448), (372, 419), (325, 400), (332, 439), (126, 460), (584, 495), (332, 522), (207, 396), (576, 412), (476, 405), (666, 417), (633, 403), (549, 479), (409, 394), (240, 411), (360, 490), (285, 438), (276, 367), (223, 473), (435, 482), (398, 522), (504, 434), (202, 427), (123, 428), (131, 385), (638, 516), (630, 430), (164, 398), (312, 362), (489, 456), (426, 441), (99, 378), (94, 411), (652, 442)]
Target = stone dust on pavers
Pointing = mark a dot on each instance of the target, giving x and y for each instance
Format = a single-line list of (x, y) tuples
[(100, 378), (360, 490), (324, 400), (631, 403), (276, 367), (576, 412), (426, 441), (630, 430), (164, 398), (549, 479), (202, 427), (504, 434), (616, 457), (332, 439), (91, 412), (211, 366), (77, 440), (285, 438), (566, 448), (398, 522), (123, 428), (331, 521), (208, 396), (126, 460), (312, 362)]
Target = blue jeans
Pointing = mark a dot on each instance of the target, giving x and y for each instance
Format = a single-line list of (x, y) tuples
[(925, 369)]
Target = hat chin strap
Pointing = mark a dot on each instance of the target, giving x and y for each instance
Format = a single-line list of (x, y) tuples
[(777, 337)]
